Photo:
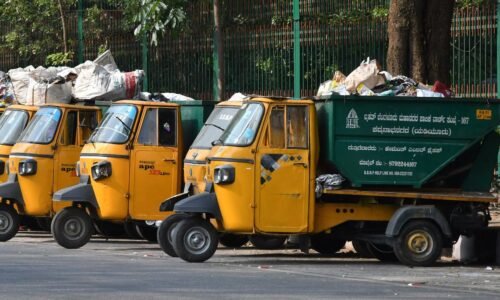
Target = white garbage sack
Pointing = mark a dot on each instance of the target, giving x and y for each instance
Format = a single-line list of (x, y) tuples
[(367, 73), (40, 86), (96, 82)]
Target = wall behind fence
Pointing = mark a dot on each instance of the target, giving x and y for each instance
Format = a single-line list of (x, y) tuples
[(258, 43)]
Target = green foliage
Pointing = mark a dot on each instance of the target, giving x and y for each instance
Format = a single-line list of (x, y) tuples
[(470, 3), (59, 58), (153, 17), (34, 27)]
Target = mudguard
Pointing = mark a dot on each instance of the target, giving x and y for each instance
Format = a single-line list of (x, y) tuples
[(168, 205), (11, 190), (407, 213), (81, 192), (201, 203)]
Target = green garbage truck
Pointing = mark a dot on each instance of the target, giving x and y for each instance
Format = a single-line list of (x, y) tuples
[(401, 176)]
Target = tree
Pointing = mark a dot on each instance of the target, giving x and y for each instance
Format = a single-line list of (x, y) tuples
[(419, 39), (153, 17), (36, 28)]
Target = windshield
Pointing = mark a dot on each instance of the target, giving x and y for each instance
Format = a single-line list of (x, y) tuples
[(243, 128), (12, 123), (116, 126), (214, 127), (43, 127)]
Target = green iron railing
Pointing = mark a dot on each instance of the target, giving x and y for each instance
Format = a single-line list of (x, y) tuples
[(262, 52)]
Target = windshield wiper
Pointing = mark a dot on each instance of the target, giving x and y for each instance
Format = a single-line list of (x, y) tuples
[(126, 126), (216, 126)]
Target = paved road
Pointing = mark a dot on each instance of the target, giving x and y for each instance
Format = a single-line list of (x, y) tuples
[(33, 266)]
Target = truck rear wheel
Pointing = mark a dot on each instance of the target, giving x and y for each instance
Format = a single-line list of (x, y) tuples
[(195, 240), (72, 227), (233, 240), (419, 243), (326, 244), (268, 242), (9, 222), (164, 234)]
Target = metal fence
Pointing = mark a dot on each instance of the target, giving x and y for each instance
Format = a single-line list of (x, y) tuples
[(259, 46)]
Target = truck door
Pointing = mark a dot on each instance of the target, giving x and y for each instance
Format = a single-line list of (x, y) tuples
[(156, 160), (283, 164)]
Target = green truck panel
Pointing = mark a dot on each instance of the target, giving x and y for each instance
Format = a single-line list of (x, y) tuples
[(408, 141), (194, 114)]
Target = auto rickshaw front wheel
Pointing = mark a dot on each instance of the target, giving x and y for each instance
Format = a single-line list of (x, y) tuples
[(165, 233), (9, 222), (72, 227), (195, 239)]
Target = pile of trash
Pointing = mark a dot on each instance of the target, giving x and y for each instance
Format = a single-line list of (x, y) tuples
[(369, 80), (93, 80)]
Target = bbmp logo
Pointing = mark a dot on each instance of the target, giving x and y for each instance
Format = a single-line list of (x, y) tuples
[(352, 119)]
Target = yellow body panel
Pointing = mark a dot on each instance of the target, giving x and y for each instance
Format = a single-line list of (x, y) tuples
[(56, 167), (142, 175), (195, 173), (112, 193), (329, 215)]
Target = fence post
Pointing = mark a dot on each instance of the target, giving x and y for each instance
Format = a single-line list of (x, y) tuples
[(144, 44), (80, 31), (296, 49), (216, 38), (498, 48)]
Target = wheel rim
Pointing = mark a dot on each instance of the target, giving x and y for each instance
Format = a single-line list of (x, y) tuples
[(197, 240), (5, 221), (74, 228), (420, 242)]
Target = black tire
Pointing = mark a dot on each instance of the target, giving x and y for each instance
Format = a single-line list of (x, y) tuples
[(267, 242), (164, 234), (131, 230), (195, 239), (9, 222), (419, 243), (72, 227), (382, 252), (146, 232), (362, 248), (233, 240), (326, 244), (43, 223)]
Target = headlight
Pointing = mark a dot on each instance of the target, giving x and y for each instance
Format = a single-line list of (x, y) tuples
[(224, 174), (77, 169), (101, 170), (27, 167)]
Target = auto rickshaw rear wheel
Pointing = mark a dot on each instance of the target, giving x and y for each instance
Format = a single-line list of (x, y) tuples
[(262, 241), (72, 227), (382, 252), (164, 234), (146, 232), (9, 222), (233, 240), (195, 239), (131, 230), (326, 244), (362, 248)]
